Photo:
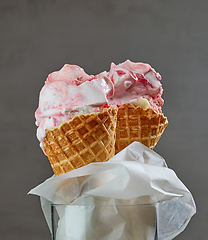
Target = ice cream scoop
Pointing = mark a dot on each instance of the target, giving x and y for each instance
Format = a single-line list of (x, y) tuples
[(132, 81), (67, 93), (70, 91)]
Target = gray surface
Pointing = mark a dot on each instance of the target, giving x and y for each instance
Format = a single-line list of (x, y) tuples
[(38, 37)]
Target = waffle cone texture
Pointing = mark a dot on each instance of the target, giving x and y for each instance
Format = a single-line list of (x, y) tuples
[(82, 140), (97, 137), (137, 124)]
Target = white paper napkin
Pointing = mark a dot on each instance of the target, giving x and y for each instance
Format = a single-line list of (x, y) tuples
[(99, 195)]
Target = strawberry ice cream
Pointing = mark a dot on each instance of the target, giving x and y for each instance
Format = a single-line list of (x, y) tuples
[(131, 81), (71, 91)]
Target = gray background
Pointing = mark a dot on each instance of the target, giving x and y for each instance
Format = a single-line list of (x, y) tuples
[(40, 36)]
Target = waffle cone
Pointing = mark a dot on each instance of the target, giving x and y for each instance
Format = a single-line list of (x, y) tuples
[(137, 124), (80, 141)]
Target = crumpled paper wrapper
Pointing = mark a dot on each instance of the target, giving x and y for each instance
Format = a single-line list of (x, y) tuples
[(133, 196)]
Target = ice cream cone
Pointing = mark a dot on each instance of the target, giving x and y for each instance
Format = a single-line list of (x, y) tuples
[(82, 140), (137, 124)]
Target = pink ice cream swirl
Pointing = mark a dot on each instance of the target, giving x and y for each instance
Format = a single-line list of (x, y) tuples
[(71, 91), (134, 80)]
